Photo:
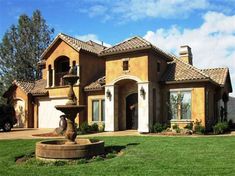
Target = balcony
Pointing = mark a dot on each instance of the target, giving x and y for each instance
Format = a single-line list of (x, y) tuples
[(59, 79)]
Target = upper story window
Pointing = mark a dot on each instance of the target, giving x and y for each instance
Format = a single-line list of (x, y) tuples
[(62, 67), (180, 104), (125, 64), (158, 67)]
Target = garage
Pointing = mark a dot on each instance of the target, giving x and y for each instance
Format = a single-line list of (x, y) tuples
[(48, 116)]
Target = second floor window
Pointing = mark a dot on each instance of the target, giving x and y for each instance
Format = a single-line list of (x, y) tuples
[(125, 65)]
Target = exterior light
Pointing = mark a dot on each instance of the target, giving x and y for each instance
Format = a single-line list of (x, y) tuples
[(108, 94), (142, 92)]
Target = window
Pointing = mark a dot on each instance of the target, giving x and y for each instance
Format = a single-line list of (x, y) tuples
[(98, 110), (102, 110), (158, 67), (180, 105), (95, 110), (125, 65)]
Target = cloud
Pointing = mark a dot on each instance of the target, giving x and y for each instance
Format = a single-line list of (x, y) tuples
[(92, 37), (133, 10), (213, 43)]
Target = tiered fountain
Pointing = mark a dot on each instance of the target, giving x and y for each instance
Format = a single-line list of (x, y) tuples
[(69, 148)]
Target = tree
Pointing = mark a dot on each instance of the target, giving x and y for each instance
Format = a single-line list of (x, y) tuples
[(21, 48)]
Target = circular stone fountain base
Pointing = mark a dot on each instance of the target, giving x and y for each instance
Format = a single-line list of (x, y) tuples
[(59, 149)]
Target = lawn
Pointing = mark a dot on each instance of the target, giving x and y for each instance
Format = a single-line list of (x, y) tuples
[(145, 155)]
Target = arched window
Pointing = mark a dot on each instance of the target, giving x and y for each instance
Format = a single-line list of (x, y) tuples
[(61, 68)]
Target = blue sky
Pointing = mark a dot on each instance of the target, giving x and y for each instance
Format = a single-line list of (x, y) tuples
[(208, 26)]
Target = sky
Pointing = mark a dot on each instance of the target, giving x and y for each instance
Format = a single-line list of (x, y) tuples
[(207, 26)]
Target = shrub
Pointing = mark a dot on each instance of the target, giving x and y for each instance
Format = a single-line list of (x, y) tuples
[(102, 127), (221, 128), (157, 127), (198, 128), (94, 127), (85, 128), (189, 126), (175, 127)]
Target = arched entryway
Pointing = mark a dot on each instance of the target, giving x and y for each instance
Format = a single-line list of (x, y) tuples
[(132, 111)]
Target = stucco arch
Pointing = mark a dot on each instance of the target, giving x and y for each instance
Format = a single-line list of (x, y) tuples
[(126, 77)]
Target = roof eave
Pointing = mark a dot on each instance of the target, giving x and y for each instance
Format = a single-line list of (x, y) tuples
[(189, 81)]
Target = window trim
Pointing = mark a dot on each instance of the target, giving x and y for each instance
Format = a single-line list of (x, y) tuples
[(99, 109), (92, 118), (128, 65)]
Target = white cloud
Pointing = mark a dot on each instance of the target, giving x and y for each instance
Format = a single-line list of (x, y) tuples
[(92, 37), (213, 43), (133, 10)]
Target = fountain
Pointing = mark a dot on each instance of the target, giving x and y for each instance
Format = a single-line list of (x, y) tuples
[(69, 148)]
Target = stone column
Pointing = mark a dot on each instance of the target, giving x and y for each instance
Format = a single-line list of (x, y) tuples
[(143, 108), (78, 74), (48, 78), (53, 77), (111, 108)]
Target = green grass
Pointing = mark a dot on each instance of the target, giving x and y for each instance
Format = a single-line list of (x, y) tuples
[(148, 155)]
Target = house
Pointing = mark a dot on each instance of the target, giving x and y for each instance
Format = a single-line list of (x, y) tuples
[(131, 85)]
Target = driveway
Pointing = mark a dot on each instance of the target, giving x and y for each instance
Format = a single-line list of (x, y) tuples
[(23, 133)]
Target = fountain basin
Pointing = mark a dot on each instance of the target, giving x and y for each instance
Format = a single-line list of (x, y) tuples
[(67, 109), (58, 149)]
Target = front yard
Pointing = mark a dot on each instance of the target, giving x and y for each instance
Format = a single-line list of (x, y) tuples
[(141, 155)]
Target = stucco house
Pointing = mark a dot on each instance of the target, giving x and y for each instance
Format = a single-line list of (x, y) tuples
[(131, 85)]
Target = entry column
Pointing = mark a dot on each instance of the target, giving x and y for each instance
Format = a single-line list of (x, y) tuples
[(143, 107), (111, 108)]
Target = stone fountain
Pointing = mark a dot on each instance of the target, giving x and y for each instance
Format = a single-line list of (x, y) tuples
[(69, 148)]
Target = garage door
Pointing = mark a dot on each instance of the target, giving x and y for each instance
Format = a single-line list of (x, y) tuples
[(48, 116)]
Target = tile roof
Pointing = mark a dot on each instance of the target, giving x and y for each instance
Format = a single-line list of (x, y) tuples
[(218, 75), (178, 70), (96, 85), (33, 87), (133, 44), (89, 46), (39, 88)]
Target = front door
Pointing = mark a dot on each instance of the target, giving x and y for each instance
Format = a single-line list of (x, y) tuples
[(132, 111)]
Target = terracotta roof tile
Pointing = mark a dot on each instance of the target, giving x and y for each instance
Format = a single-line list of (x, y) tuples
[(96, 85), (77, 44), (218, 75), (178, 70), (39, 87), (26, 86), (33, 87), (132, 44)]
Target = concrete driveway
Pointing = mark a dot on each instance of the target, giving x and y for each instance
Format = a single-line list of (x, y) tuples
[(23, 133)]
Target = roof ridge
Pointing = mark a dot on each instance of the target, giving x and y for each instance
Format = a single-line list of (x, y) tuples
[(193, 67)]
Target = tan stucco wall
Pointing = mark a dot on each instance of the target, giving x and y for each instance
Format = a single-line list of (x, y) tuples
[(61, 49), (138, 66)]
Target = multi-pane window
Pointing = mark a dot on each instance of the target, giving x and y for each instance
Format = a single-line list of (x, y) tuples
[(180, 105), (95, 110), (98, 110)]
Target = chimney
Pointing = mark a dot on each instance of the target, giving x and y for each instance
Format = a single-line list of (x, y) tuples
[(186, 54)]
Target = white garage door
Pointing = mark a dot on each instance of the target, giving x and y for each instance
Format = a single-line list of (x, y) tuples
[(48, 116)]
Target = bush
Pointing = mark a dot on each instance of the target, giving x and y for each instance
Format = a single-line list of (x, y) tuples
[(175, 127), (221, 128), (189, 126), (198, 128), (84, 128), (157, 127), (102, 127), (94, 127), (231, 124)]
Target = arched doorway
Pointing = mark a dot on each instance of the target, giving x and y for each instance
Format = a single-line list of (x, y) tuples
[(132, 111)]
